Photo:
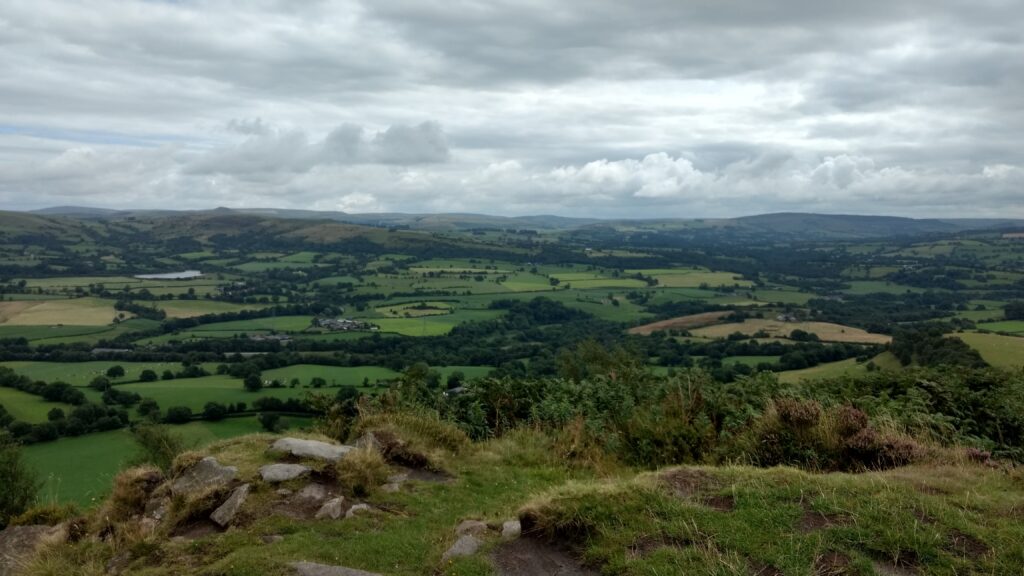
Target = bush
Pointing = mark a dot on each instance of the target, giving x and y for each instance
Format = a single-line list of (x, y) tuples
[(157, 446), (362, 471), (18, 481), (269, 421), (148, 376), (178, 415)]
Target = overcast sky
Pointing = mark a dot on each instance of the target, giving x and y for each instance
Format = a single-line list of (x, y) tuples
[(648, 108)]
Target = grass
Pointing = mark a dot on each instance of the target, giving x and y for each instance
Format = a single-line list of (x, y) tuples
[(996, 349), (432, 325), (192, 308), (80, 469), (81, 373), (1008, 326), (274, 323), (850, 366), (71, 311), (826, 331), (29, 407)]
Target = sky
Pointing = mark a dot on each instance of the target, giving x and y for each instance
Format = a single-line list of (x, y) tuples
[(595, 108)]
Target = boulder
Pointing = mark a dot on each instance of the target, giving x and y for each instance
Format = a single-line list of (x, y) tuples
[(390, 487), (312, 493), (465, 546), (357, 509), (205, 474), (226, 512), (332, 509), (398, 478), (271, 538), (283, 492), (282, 472), (471, 527), (369, 442), (19, 543), (312, 569), (311, 449), (511, 530)]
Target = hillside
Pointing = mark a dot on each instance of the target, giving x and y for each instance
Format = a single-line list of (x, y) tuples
[(265, 505)]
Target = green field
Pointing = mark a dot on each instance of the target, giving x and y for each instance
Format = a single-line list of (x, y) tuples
[(1009, 326), (996, 349), (29, 407), (80, 469), (81, 373), (273, 323), (192, 308)]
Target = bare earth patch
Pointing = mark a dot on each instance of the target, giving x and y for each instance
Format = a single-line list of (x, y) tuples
[(532, 557), (650, 544), (832, 564), (966, 545), (686, 482), (681, 323), (812, 521)]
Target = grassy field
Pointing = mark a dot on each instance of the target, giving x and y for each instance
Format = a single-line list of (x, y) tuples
[(28, 407), (682, 322), (826, 331), (996, 349), (71, 311), (1009, 326), (81, 373), (193, 308), (274, 323), (432, 325), (846, 367), (875, 286), (80, 469), (335, 375), (416, 309)]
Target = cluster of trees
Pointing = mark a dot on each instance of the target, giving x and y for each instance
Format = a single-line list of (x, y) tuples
[(928, 345)]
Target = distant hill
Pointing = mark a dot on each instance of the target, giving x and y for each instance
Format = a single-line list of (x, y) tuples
[(791, 225)]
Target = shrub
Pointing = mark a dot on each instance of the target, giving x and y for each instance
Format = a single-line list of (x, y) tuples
[(157, 446), (18, 482), (361, 471), (849, 420), (798, 414), (48, 514)]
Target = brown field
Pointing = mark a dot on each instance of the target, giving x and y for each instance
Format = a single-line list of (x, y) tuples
[(71, 312), (682, 322), (826, 331)]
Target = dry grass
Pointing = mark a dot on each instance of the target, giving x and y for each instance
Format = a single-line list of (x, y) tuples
[(681, 323), (362, 471), (826, 331)]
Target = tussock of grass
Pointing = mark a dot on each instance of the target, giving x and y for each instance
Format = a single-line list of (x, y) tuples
[(361, 471), (414, 439)]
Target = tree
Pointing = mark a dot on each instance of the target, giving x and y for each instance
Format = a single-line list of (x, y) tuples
[(214, 411), (115, 371), (178, 415), (1014, 310), (269, 421), (19, 483), (253, 383), (455, 379), (55, 414), (149, 408), (167, 375), (100, 383), (148, 376)]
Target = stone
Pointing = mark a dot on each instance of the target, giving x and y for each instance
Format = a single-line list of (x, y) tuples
[(313, 569), (390, 487), (511, 530), (156, 508), (271, 538), (312, 493), (398, 478), (275, 473), (357, 509), (311, 449), (471, 527), (284, 492), (19, 543), (466, 545), (226, 512), (205, 474), (332, 509), (369, 441)]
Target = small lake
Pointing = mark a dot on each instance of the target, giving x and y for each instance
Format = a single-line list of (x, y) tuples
[(186, 275)]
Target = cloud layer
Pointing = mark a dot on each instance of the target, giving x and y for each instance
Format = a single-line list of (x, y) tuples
[(596, 108)]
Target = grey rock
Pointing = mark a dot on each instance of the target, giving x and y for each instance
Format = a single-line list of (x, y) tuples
[(283, 492), (471, 527), (369, 441), (312, 493), (511, 530), (332, 509), (391, 487), (312, 569), (226, 512), (311, 449), (282, 472), (465, 546), (357, 509), (398, 478), (207, 473), (271, 538), (19, 543), (156, 508)]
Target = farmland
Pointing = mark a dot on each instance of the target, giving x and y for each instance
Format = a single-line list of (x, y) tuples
[(325, 310)]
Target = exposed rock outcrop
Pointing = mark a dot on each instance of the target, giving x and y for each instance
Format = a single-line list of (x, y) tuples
[(227, 511), (205, 474), (275, 473), (313, 449)]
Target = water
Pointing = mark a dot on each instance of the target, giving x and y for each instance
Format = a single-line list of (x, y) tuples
[(186, 275)]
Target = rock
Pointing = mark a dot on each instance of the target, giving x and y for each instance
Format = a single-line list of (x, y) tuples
[(465, 546), (226, 512), (312, 493), (282, 472), (312, 569), (390, 487), (471, 527), (284, 492), (369, 442), (511, 530), (207, 473), (398, 478), (332, 509), (271, 538), (357, 509), (19, 543), (156, 508), (311, 449)]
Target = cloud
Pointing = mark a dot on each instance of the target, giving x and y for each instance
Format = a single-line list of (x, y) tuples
[(592, 107)]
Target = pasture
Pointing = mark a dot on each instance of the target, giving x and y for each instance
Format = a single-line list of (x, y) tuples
[(70, 311), (1008, 326), (826, 331), (996, 349), (681, 322), (193, 308), (29, 407), (81, 373)]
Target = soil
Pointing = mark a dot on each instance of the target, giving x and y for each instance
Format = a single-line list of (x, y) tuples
[(645, 546), (832, 564), (812, 521), (966, 545), (888, 569), (196, 530), (685, 482), (720, 503), (532, 557), (762, 569)]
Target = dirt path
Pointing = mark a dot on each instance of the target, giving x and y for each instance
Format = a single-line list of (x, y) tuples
[(531, 557)]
